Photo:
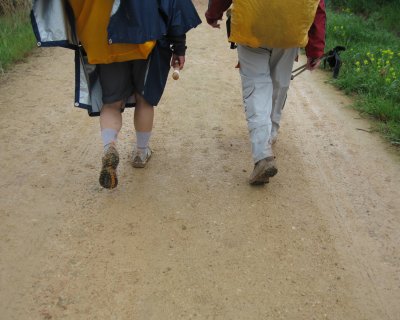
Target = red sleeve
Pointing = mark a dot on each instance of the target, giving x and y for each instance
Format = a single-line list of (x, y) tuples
[(316, 35), (215, 10)]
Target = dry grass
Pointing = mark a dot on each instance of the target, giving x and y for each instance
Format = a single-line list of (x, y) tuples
[(8, 7)]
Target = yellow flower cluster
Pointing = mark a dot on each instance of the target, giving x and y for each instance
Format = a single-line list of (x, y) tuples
[(340, 31), (384, 63)]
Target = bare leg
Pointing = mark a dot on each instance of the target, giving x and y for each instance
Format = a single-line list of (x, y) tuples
[(144, 115), (111, 117)]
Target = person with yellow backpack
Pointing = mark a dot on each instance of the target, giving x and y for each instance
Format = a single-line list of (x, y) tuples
[(123, 53), (268, 35)]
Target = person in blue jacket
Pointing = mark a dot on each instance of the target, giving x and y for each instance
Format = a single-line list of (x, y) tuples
[(124, 50)]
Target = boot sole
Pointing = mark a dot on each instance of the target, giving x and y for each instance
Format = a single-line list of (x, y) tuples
[(108, 175), (108, 178)]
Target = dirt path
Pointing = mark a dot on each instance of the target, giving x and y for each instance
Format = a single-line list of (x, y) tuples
[(187, 237)]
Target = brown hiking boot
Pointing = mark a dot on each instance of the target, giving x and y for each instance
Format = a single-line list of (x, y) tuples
[(263, 170), (108, 174)]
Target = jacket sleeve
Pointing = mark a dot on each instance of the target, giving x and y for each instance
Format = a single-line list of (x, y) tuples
[(179, 16), (178, 44), (316, 35), (216, 9)]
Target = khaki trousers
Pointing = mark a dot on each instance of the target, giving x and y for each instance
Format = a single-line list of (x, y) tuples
[(265, 75)]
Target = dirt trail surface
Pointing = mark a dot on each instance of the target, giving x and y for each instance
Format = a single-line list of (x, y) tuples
[(187, 237)]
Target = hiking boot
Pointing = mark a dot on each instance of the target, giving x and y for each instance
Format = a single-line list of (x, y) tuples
[(263, 170), (108, 174), (140, 157)]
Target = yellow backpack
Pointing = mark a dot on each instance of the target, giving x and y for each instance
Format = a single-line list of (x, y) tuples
[(272, 23), (92, 18)]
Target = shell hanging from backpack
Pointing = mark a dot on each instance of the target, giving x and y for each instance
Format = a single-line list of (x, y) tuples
[(272, 23)]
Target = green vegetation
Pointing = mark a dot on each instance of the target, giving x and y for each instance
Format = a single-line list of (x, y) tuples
[(371, 64), (16, 36), (383, 13)]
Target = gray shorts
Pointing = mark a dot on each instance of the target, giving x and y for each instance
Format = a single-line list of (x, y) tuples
[(119, 80)]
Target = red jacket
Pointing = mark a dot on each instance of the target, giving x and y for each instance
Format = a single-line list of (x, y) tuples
[(316, 35)]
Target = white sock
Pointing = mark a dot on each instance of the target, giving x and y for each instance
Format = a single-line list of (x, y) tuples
[(142, 139), (108, 136)]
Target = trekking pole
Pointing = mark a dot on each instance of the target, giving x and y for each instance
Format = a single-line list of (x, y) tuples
[(175, 73), (332, 57), (303, 68), (299, 70)]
